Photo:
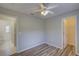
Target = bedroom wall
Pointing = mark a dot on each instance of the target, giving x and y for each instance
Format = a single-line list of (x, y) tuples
[(54, 27), (29, 30), (54, 32)]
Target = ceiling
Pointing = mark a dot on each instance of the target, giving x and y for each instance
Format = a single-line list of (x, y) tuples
[(28, 8)]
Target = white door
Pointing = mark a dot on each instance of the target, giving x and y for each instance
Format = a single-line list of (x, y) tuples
[(6, 43)]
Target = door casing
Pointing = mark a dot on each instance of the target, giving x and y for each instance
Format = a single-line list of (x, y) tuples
[(64, 42)]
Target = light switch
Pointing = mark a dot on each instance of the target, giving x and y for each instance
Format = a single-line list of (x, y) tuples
[(7, 28)]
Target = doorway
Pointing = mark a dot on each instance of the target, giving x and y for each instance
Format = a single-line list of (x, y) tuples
[(69, 32), (7, 37)]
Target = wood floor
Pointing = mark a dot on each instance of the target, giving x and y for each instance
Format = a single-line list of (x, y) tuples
[(46, 50)]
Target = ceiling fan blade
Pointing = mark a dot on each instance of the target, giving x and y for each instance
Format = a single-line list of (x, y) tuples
[(51, 12), (52, 7), (36, 11), (42, 5)]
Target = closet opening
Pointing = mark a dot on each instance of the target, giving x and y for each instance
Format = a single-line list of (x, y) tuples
[(69, 33)]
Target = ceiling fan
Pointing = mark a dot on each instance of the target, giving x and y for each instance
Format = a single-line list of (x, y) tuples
[(44, 9)]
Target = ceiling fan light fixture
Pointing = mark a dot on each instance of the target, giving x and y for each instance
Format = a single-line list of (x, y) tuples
[(44, 13)]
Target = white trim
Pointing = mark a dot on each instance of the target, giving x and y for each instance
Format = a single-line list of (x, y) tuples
[(62, 30), (54, 45), (31, 47), (76, 36), (62, 33)]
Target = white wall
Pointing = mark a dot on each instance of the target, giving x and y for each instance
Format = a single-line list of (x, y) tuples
[(54, 29), (54, 32), (29, 30)]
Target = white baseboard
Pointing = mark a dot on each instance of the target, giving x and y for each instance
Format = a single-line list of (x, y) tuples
[(54, 45), (31, 47), (38, 45)]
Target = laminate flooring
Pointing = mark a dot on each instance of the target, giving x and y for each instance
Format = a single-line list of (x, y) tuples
[(47, 50)]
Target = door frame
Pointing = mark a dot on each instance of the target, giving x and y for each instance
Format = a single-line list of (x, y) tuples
[(14, 18), (76, 37), (63, 46), (15, 39)]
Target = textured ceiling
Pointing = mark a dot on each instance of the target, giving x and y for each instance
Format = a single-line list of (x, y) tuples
[(27, 8)]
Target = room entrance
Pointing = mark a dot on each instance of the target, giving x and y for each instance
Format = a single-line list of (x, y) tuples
[(7, 36), (69, 33)]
